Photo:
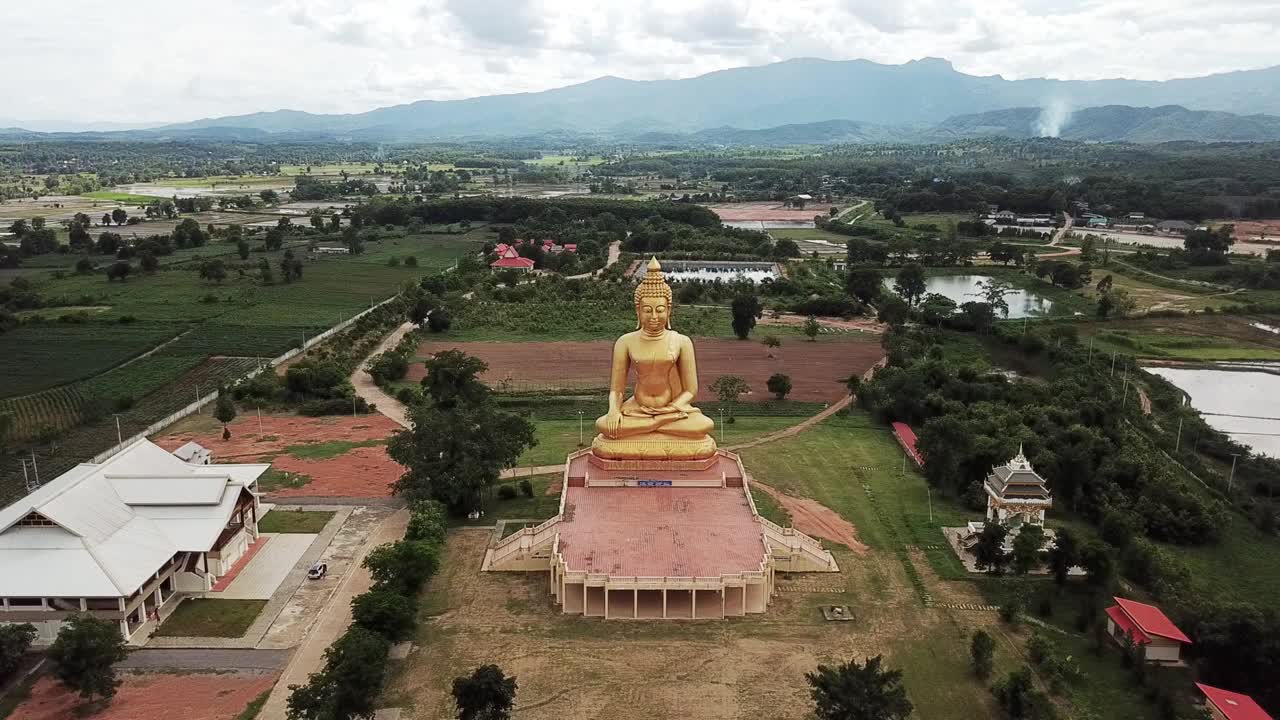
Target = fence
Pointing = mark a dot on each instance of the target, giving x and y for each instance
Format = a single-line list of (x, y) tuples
[(210, 397)]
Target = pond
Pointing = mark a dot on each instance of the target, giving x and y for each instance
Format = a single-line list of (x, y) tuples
[(1230, 394), (964, 288)]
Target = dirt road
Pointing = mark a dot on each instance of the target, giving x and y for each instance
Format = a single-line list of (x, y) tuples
[(372, 394), (332, 622)]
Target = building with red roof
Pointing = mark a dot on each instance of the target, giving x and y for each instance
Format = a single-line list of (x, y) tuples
[(519, 264), (1227, 705), (1159, 639), (907, 439)]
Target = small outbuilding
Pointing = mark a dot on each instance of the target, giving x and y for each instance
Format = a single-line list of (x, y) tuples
[(1159, 639), (194, 453)]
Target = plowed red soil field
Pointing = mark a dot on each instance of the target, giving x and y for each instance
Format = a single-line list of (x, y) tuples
[(213, 696), (816, 368), (359, 472)]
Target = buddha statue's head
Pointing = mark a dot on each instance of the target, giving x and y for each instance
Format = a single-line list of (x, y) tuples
[(653, 301)]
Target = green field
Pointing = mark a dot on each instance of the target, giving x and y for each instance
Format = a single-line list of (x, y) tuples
[(1201, 337), (294, 521), (112, 196), (204, 617), (359, 168)]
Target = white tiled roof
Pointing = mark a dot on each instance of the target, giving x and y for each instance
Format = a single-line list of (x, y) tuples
[(117, 522)]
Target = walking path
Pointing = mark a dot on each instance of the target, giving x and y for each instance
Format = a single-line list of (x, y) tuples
[(795, 429), (204, 659), (615, 252), (372, 394), (332, 622)]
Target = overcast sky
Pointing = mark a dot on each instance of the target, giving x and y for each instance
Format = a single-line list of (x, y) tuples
[(157, 60)]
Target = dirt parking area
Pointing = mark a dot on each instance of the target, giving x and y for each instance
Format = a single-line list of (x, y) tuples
[(574, 668), (739, 212), (343, 456), (153, 696), (816, 368)]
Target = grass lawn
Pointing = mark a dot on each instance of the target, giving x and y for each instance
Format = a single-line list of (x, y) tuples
[(1203, 337), (539, 507), (253, 708), (294, 521), (206, 617), (274, 479), (120, 197), (329, 449)]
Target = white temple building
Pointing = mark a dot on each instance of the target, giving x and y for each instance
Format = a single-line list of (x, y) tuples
[(123, 538), (1016, 494)]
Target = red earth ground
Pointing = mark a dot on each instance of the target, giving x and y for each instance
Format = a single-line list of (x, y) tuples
[(359, 472), (734, 212), (1255, 229), (817, 369), (220, 696)]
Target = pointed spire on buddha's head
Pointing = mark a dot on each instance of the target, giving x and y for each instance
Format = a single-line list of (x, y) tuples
[(653, 287)]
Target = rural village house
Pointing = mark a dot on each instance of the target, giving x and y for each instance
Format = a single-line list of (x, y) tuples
[(124, 538), (1159, 639)]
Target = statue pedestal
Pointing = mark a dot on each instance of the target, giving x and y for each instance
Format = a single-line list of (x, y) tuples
[(656, 449)]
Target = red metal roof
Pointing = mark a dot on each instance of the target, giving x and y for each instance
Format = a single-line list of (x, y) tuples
[(1126, 625), (1233, 705), (512, 262), (1151, 620), (907, 438)]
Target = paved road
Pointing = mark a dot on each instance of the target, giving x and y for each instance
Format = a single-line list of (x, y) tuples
[(615, 252), (332, 622), (372, 394), (204, 659)]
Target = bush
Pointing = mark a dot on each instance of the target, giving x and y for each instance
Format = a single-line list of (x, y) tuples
[(1011, 611), (402, 566), (427, 522), (387, 613), (526, 488), (336, 406), (507, 492), (15, 640)]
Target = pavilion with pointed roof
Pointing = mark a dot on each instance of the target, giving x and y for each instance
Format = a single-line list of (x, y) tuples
[(1016, 494)]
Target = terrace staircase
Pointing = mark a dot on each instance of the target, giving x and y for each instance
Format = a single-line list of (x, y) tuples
[(793, 551), (526, 549)]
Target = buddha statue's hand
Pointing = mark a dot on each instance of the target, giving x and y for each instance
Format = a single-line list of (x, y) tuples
[(612, 422)]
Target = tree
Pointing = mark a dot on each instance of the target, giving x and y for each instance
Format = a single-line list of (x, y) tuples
[(989, 552), (119, 269), (486, 694), (786, 248), (854, 691), (387, 613), (1019, 699), (109, 243), (317, 219), (440, 320), (772, 342), (994, 290), (746, 310), (188, 233), (352, 678), (214, 270), (727, 389), (78, 236), (274, 239), (270, 197), (981, 650), (290, 267), (147, 261), (119, 216), (403, 566), (86, 651), (866, 284), (1209, 247), (351, 238), (812, 328), (1026, 548), (779, 385), (106, 219), (453, 377), (894, 311), (15, 640), (910, 283), (936, 308), (242, 249), (225, 408), (1098, 563), (1063, 555), (853, 383), (84, 266)]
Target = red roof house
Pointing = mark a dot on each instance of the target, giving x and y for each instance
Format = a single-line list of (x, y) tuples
[(907, 439), (1161, 641), (1227, 705), (519, 264)]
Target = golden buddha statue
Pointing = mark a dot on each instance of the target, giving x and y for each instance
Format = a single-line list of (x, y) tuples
[(657, 422)]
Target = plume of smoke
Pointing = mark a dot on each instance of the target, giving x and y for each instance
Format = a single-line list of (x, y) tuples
[(1054, 116)]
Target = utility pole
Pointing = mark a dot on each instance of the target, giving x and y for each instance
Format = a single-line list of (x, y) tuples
[(579, 428), (119, 439), (1090, 348), (902, 472), (1232, 477), (1178, 443), (259, 421), (1113, 363), (198, 410), (353, 406), (721, 425), (929, 493), (35, 468), (1125, 399)]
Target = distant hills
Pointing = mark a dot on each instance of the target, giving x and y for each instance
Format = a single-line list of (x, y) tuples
[(801, 101)]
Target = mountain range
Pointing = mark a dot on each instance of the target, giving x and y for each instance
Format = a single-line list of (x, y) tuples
[(808, 100)]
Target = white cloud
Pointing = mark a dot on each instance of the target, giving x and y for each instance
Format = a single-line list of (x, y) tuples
[(154, 60)]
